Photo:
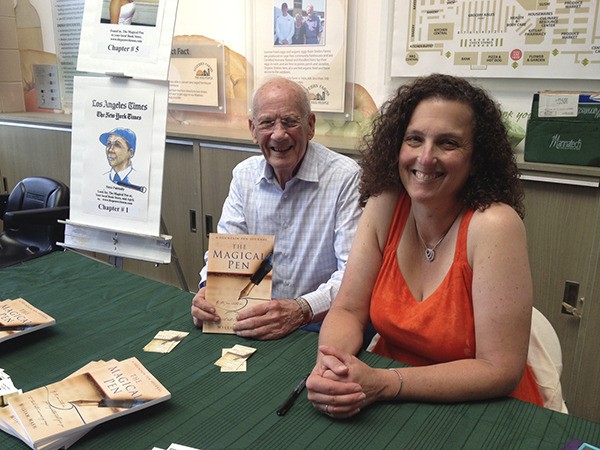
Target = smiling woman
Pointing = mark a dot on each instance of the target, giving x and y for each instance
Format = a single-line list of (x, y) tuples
[(439, 263)]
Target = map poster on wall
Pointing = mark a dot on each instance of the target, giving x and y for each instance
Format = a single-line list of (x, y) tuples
[(137, 45), (306, 45), (117, 154), (497, 38)]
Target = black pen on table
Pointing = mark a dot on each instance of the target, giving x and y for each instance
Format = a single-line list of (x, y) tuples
[(285, 406)]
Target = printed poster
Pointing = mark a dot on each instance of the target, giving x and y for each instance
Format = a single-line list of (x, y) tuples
[(193, 81), (138, 45), (118, 143), (489, 38), (306, 45)]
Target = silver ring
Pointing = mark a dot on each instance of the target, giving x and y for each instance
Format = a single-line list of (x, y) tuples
[(327, 409)]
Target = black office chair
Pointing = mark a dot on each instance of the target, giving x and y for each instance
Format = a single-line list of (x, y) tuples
[(30, 214)]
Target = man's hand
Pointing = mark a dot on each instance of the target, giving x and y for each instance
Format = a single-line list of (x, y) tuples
[(202, 310), (269, 320)]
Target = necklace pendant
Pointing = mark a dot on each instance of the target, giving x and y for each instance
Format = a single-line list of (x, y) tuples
[(429, 254)]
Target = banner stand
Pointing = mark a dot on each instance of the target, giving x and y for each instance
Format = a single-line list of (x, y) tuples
[(117, 244)]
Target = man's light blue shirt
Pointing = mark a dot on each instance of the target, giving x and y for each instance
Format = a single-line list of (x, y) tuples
[(314, 220)]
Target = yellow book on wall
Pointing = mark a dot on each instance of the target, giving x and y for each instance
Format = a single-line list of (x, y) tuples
[(238, 276)]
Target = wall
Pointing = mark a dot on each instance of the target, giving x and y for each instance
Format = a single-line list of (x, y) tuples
[(231, 23), (11, 91)]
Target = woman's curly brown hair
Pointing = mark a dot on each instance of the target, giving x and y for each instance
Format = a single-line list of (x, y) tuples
[(494, 175)]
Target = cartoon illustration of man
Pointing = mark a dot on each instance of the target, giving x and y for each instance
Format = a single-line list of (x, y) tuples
[(120, 148)]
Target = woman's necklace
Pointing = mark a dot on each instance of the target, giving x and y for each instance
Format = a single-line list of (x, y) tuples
[(430, 251)]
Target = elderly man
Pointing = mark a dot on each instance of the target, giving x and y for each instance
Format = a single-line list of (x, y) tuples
[(304, 194), (314, 27)]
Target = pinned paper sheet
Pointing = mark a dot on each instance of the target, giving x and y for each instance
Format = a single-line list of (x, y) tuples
[(558, 104), (234, 359), (7, 388), (165, 341)]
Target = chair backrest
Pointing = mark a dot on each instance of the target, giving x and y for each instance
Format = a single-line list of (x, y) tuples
[(37, 193), (545, 360)]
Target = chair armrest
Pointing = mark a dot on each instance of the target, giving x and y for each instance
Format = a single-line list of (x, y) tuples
[(42, 216)]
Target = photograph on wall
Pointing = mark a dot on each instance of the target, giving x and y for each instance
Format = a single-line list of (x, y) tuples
[(494, 39), (308, 45), (129, 12), (127, 38), (119, 128), (300, 28)]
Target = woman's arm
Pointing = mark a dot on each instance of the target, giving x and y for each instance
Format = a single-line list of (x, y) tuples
[(344, 324), (115, 10), (333, 380)]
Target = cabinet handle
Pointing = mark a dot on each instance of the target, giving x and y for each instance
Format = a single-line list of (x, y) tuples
[(571, 303), (193, 227), (575, 312), (208, 221)]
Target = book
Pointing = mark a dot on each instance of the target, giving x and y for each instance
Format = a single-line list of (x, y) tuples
[(19, 317), (238, 276), (10, 424), (57, 414)]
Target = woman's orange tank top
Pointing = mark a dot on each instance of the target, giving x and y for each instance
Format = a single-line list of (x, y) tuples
[(441, 327)]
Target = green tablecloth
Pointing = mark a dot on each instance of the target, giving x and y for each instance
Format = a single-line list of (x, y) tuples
[(103, 312)]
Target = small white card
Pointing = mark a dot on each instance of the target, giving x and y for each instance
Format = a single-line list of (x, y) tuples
[(558, 105)]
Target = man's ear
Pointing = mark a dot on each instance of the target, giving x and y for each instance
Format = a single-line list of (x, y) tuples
[(252, 129), (311, 125), (131, 153)]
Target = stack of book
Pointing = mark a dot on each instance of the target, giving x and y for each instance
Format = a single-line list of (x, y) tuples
[(19, 317), (57, 415)]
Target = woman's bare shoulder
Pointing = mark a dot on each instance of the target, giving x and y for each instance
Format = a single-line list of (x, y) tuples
[(496, 225), (496, 216)]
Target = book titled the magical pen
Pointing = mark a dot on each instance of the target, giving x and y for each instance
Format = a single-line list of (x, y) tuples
[(238, 275), (56, 415), (19, 317)]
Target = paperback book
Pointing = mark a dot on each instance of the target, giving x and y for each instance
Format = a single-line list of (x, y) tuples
[(238, 276), (19, 317), (58, 414)]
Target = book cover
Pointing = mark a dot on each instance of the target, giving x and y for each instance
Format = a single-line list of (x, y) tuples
[(19, 317), (68, 408), (11, 425), (238, 276)]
